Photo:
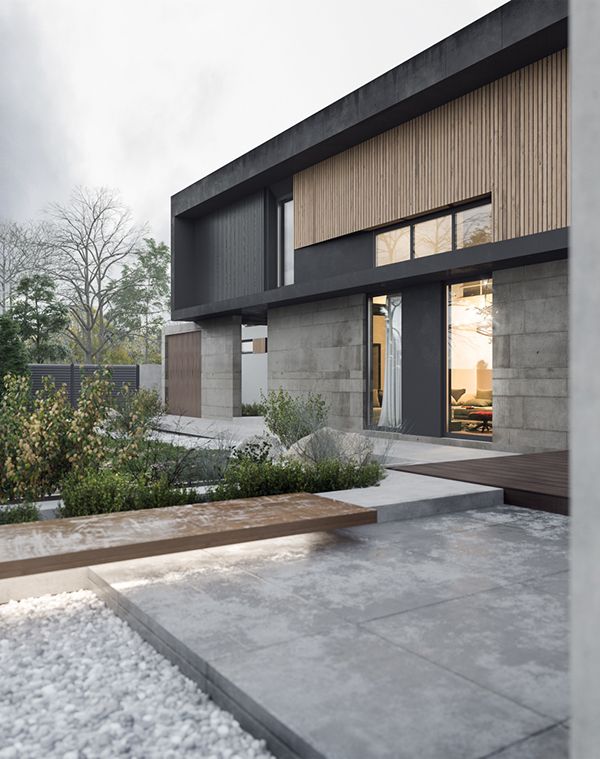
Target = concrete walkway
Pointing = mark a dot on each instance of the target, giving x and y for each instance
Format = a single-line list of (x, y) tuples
[(410, 451), (432, 638)]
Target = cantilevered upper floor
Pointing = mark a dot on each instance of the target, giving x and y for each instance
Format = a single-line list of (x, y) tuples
[(451, 164)]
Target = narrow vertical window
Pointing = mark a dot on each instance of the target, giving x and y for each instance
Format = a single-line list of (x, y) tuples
[(285, 223), (470, 358)]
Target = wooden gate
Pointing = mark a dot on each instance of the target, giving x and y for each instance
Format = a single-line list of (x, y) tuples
[(182, 373)]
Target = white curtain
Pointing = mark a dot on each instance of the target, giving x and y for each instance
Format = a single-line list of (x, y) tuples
[(391, 404)]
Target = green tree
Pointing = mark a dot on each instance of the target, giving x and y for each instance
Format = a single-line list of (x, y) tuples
[(13, 356), (41, 319), (143, 300)]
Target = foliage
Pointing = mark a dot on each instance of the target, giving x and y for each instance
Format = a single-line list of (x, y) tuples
[(253, 409), (142, 300), (41, 441), (105, 491), (291, 418), (93, 236), (327, 443), (13, 356), (22, 512), (40, 318), (23, 251), (258, 448), (133, 416), (246, 478)]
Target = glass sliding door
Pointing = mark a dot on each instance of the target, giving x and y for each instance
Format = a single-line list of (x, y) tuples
[(385, 396), (470, 359)]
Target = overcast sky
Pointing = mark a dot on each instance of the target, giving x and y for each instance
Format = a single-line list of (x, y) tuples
[(148, 96)]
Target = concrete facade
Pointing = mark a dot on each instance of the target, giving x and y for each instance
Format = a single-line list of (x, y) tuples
[(151, 377), (585, 383), (320, 347), (531, 357), (221, 375)]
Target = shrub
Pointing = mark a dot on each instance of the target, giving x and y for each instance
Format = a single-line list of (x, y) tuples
[(246, 478), (291, 418), (23, 512), (106, 491), (253, 409), (257, 448), (43, 439), (13, 354)]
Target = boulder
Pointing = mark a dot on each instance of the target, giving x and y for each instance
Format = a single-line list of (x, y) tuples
[(328, 443)]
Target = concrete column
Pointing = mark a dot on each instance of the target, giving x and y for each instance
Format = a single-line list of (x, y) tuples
[(319, 347), (531, 357), (585, 380), (221, 380)]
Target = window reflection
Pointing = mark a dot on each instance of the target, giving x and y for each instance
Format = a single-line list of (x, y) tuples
[(433, 236), (392, 246), (474, 226)]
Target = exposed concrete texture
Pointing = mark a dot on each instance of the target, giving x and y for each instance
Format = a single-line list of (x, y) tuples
[(402, 495), (585, 380), (531, 357), (435, 637), (221, 367), (320, 347), (151, 377)]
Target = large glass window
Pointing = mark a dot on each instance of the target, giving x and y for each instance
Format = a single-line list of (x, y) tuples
[(470, 401), (474, 226), (392, 246), (452, 230), (386, 362), (285, 237), (433, 236)]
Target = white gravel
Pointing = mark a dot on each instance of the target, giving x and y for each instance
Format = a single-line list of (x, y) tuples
[(77, 682)]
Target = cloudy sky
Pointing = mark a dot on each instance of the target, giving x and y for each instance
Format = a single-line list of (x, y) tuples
[(148, 96)]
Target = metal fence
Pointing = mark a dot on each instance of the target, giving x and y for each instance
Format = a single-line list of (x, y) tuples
[(71, 375)]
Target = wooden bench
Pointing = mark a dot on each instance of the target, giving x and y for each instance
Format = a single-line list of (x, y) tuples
[(57, 544)]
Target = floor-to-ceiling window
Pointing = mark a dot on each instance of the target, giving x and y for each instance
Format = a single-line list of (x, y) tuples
[(470, 360), (385, 397)]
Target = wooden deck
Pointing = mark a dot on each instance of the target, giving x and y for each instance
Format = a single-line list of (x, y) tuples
[(56, 544), (535, 480)]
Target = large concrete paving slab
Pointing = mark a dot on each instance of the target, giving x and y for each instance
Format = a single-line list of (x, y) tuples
[(400, 639)]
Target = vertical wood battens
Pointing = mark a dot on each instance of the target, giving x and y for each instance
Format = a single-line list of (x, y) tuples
[(509, 139)]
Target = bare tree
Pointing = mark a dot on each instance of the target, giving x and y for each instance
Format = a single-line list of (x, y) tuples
[(92, 237), (24, 251)]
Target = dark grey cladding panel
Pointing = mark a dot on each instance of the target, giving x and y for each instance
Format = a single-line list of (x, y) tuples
[(469, 263), (422, 359), (326, 259), (220, 255)]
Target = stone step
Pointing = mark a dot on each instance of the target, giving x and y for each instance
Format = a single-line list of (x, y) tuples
[(402, 495)]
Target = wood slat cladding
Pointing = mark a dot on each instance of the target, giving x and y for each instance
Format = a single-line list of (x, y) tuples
[(183, 373), (508, 139)]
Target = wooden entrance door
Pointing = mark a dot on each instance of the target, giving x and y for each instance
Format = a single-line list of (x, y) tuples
[(182, 373)]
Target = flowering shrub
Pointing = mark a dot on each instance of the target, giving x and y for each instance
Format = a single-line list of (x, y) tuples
[(44, 439)]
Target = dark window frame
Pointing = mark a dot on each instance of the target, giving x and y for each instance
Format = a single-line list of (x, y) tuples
[(450, 210)]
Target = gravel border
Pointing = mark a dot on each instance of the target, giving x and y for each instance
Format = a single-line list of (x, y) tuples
[(78, 683)]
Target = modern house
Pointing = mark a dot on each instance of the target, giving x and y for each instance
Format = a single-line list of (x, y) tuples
[(406, 247)]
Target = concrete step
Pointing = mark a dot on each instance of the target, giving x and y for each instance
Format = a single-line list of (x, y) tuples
[(402, 495)]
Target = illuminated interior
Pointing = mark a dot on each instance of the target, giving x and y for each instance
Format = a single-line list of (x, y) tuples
[(470, 360)]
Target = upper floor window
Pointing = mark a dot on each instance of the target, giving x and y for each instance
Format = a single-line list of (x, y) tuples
[(285, 243), (458, 228)]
